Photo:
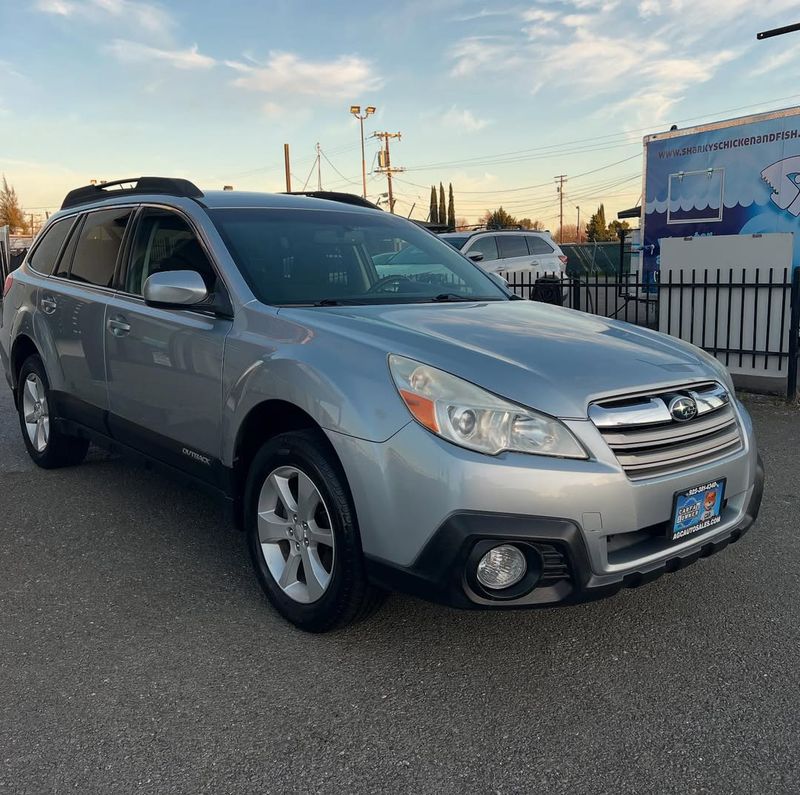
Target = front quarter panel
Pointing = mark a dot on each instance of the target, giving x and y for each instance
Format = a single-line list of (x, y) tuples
[(341, 382)]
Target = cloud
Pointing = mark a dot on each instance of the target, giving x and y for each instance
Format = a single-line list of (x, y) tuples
[(538, 15), (577, 49), (61, 8), (464, 120), (483, 14), (775, 62), (130, 14), (273, 110), (285, 72), (475, 54), (135, 52)]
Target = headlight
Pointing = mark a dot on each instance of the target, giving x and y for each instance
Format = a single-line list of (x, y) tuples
[(476, 419)]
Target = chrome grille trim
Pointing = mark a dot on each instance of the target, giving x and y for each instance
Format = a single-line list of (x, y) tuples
[(647, 442), (650, 409)]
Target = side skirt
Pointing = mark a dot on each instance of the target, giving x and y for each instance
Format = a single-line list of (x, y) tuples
[(218, 481)]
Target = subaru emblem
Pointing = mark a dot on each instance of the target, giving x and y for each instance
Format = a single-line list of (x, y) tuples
[(682, 409)]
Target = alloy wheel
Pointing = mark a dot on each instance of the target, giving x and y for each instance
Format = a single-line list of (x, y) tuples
[(35, 412), (296, 534)]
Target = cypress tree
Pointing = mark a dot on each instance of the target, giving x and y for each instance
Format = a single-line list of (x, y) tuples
[(442, 205), (434, 213), (451, 211)]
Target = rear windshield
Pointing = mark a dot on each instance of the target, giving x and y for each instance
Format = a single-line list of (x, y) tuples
[(312, 256)]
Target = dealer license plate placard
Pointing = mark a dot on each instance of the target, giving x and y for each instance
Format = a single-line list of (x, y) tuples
[(696, 509)]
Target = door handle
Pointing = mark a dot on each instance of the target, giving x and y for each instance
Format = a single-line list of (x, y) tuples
[(48, 304), (117, 326)]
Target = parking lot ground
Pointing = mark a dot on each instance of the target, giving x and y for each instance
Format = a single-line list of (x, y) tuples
[(138, 655)]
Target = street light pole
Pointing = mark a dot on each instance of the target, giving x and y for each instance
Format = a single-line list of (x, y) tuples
[(368, 111)]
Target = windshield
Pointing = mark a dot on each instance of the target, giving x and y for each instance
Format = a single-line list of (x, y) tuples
[(329, 257), (456, 241)]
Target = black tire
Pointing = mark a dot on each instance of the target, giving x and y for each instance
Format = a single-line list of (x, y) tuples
[(60, 450), (349, 597)]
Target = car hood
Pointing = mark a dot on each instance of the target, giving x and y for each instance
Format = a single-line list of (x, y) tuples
[(545, 357)]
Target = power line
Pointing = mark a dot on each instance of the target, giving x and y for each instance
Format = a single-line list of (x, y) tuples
[(328, 161), (541, 184), (597, 138), (587, 190), (608, 137)]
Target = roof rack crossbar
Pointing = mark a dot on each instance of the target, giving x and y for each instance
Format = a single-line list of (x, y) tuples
[(165, 186), (335, 196)]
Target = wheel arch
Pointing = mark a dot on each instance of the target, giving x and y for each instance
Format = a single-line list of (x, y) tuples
[(263, 422), (22, 348)]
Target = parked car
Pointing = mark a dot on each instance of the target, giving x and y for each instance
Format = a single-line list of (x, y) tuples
[(371, 430), (511, 251)]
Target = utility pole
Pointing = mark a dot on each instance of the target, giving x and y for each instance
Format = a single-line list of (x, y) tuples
[(561, 179), (319, 169), (579, 223), (385, 162), (288, 172)]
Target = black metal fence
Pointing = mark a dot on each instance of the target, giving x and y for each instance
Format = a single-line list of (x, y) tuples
[(749, 318)]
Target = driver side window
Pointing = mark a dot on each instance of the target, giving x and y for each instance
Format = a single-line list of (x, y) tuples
[(164, 241)]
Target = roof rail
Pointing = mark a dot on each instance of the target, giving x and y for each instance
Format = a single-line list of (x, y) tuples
[(168, 186), (473, 230), (335, 196)]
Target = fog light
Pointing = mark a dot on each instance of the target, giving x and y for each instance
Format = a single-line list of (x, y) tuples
[(501, 567)]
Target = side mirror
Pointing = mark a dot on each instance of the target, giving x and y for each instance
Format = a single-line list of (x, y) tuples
[(175, 289), (476, 256)]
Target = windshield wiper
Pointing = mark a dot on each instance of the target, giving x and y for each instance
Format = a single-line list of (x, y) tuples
[(338, 301), (452, 297)]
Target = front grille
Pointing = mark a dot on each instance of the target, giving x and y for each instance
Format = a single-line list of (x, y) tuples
[(648, 441)]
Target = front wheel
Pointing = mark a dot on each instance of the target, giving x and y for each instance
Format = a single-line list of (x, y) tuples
[(47, 445), (302, 535)]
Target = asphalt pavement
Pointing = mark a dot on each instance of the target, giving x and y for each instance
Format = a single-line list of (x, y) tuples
[(138, 655)]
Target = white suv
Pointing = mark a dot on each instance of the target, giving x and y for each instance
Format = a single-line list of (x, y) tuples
[(510, 250)]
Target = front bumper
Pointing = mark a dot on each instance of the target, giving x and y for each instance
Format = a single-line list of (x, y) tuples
[(440, 572)]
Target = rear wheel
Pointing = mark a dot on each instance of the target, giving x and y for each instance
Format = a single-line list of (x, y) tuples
[(47, 445), (302, 535)]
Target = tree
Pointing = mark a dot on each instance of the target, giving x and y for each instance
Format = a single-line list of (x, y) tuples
[(615, 226), (498, 218), (434, 214), (451, 211), (442, 205), (570, 234), (11, 214), (536, 226), (597, 229)]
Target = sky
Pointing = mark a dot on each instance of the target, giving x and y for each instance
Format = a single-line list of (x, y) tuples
[(496, 98)]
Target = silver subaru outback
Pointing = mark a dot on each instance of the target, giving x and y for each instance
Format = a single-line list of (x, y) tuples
[(373, 426)]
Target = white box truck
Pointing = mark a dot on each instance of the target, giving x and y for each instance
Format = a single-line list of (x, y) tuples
[(734, 177), (722, 206)]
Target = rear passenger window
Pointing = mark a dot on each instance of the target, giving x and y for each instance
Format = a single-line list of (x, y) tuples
[(537, 245), (46, 252), (164, 241), (98, 245), (512, 246), (486, 246)]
